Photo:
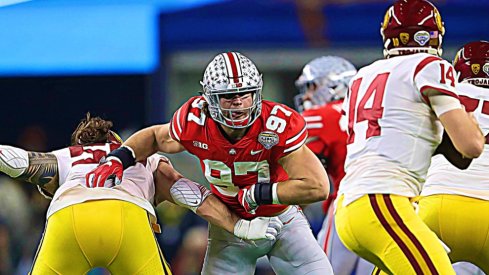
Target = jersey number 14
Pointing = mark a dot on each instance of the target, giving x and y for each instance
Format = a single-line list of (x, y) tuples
[(361, 113)]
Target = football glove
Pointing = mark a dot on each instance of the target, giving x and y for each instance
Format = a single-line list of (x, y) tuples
[(246, 198), (13, 161), (107, 174), (258, 229)]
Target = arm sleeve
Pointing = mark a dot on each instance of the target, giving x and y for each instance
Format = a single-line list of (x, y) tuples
[(434, 73), (64, 163), (296, 133), (176, 124), (443, 103), (154, 160)]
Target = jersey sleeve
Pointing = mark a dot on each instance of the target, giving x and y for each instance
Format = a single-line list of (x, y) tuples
[(437, 74), (153, 161), (178, 121), (64, 163), (296, 133), (191, 111)]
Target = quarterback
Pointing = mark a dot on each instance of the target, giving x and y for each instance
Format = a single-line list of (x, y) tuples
[(455, 202), (322, 87), (397, 108), (79, 218), (253, 155)]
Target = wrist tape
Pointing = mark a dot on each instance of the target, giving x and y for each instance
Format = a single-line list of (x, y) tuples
[(266, 193), (125, 154)]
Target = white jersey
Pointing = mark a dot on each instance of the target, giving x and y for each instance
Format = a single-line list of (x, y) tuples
[(75, 162), (444, 178), (392, 129)]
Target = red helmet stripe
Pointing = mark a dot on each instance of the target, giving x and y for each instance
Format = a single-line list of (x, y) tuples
[(232, 67)]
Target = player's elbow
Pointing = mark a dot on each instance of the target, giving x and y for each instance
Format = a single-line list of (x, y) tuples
[(319, 190), (472, 148)]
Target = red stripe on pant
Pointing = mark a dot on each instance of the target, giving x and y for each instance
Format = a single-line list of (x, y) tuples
[(394, 236), (327, 237), (402, 225)]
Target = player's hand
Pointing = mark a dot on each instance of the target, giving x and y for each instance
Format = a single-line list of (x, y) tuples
[(107, 174), (246, 198), (13, 161), (258, 229)]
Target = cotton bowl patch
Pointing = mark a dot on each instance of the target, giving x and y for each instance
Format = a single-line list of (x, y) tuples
[(268, 139), (485, 68), (421, 37)]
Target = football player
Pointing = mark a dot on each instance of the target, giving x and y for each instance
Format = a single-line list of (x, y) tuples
[(253, 155), (397, 108), (79, 218), (455, 202), (323, 85)]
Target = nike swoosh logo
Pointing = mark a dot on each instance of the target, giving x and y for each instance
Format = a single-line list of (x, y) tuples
[(288, 221), (255, 152), (194, 202)]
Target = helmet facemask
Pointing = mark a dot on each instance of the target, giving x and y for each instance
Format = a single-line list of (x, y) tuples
[(229, 77), (323, 80), (233, 117)]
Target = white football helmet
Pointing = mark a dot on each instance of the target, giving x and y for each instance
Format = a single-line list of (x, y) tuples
[(232, 73), (329, 77)]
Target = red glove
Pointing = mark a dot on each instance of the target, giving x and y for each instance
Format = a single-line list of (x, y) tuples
[(107, 174), (246, 198)]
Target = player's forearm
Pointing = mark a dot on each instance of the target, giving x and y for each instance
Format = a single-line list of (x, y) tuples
[(143, 142), (302, 191), (42, 170), (464, 132), (37, 168), (217, 213), (308, 181)]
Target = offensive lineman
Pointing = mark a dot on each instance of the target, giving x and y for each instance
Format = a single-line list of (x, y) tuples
[(251, 151), (455, 202), (396, 110), (79, 218)]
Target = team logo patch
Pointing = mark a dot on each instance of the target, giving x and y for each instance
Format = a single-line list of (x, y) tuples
[(475, 68), (268, 139), (421, 37), (404, 36), (485, 68)]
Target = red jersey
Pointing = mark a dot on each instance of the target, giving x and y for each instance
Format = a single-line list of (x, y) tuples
[(327, 139), (229, 166)]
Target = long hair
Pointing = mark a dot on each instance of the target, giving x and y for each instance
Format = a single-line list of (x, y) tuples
[(91, 130)]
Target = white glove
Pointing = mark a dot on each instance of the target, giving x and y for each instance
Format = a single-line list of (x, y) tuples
[(13, 161), (258, 228)]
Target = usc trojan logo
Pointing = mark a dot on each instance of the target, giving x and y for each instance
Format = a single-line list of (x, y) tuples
[(475, 68), (404, 36)]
